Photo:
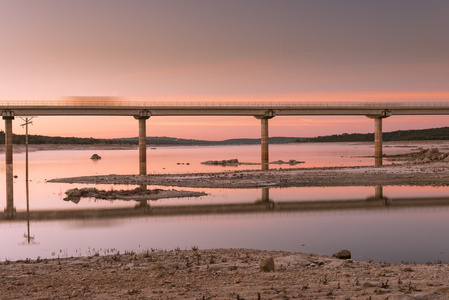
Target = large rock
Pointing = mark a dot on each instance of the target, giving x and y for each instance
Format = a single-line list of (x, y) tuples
[(432, 154), (267, 265), (343, 254)]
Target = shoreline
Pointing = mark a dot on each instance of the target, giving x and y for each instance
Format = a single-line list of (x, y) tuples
[(220, 274)]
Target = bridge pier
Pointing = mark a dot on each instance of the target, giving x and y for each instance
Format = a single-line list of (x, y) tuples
[(378, 137), (10, 209), (378, 142), (142, 143), (264, 138)]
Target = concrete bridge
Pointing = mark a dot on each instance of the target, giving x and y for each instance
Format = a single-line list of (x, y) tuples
[(142, 111)]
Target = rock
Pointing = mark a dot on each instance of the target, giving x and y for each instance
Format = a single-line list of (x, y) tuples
[(95, 157), (73, 192), (233, 161), (343, 254), (75, 200), (267, 265), (432, 153)]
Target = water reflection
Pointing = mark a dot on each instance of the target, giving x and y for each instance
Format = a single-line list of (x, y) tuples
[(299, 222), (263, 204)]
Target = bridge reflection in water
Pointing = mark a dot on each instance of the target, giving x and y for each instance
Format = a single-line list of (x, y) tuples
[(262, 205)]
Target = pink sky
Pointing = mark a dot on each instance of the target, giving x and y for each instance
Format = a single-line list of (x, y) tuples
[(230, 50)]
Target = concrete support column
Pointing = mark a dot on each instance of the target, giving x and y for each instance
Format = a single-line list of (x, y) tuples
[(378, 135), (264, 144), (142, 145), (378, 142), (264, 139), (10, 209)]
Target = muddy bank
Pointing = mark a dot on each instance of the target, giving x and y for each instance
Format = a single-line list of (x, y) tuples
[(220, 274), (435, 173)]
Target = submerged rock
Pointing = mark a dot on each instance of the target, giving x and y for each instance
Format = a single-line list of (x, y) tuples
[(95, 157)]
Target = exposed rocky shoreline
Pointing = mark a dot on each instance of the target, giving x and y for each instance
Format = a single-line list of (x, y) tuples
[(220, 274), (434, 173)]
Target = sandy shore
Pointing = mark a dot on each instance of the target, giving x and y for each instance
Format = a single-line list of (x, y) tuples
[(220, 274), (436, 173)]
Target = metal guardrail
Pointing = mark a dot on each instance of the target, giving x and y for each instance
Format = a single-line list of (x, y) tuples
[(7, 104)]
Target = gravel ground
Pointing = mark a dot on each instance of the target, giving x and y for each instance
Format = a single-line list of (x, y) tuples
[(220, 274)]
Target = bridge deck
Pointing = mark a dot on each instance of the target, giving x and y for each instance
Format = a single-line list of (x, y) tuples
[(121, 108)]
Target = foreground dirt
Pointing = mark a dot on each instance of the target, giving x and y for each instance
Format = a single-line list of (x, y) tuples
[(219, 274), (435, 173)]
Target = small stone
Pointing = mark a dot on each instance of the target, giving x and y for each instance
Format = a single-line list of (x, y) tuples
[(267, 265), (343, 254)]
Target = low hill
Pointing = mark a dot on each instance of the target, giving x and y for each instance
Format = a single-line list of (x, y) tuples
[(399, 135), (40, 139)]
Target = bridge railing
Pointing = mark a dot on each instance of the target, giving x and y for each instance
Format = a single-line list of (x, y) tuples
[(149, 104)]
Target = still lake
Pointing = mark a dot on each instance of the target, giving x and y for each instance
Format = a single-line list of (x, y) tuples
[(392, 233)]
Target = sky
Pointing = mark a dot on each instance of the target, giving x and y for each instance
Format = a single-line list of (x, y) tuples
[(219, 51)]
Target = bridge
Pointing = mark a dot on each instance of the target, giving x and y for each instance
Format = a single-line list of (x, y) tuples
[(142, 111)]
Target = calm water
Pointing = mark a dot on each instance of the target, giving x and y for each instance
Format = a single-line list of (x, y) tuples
[(409, 226)]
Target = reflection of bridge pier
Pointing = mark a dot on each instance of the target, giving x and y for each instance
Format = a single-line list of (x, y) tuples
[(143, 205), (379, 195), (266, 199), (9, 210), (378, 192), (265, 194)]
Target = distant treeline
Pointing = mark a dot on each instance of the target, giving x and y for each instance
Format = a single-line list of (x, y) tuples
[(400, 135), (40, 139)]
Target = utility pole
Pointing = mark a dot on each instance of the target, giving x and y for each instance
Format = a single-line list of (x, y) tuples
[(27, 121)]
